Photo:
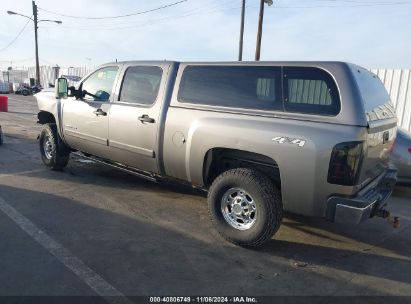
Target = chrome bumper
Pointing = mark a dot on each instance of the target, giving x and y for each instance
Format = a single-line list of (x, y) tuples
[(365, 204)]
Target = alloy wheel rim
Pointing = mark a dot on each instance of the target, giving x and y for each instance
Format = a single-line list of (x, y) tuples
[(48, 147), (239, 208)]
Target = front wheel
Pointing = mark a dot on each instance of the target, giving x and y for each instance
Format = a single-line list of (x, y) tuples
[(245, 207), (54, 153)]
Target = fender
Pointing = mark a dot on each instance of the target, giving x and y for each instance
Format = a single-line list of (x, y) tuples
[(47, 102)]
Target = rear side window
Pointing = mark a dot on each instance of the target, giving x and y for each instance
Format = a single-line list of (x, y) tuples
[(252, 87), (141, 84), (310, 90)]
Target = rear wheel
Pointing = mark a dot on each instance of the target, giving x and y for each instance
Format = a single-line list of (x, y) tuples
[(54, 152), (245, 207)]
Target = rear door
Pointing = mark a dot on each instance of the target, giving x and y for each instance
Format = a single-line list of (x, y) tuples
[(135, 117), (382, 123)]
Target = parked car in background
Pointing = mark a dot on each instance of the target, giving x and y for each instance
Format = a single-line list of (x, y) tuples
[(71, 77), (36, 88), (401, 156), (23, 90), (72, 80)]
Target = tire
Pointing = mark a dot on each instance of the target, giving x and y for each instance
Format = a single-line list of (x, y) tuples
[(25, 93), (54, 152), (255, 191)]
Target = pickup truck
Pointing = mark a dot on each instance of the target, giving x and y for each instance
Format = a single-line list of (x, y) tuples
[(262, 138)]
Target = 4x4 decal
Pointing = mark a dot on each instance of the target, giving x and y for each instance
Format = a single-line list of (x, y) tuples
[(295, 141)]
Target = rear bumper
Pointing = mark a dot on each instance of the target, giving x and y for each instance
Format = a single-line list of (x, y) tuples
[(366, 203)]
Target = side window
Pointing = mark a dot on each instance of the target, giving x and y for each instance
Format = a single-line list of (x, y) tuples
[(100, 84), (310, 90), (141, 84), (251, 87), (266, 89)]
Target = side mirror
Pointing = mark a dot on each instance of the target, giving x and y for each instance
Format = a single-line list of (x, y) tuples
[(61, 88)]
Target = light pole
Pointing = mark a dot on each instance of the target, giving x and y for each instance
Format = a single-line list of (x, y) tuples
[(8, 73), (240, 46), (260, 28), (35, 21)]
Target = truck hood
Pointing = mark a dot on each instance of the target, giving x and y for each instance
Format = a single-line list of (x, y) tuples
[(46, 101)]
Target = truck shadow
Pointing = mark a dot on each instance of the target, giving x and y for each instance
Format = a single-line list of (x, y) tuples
[(365, 261), (372, 248), (179, 258), (138, 256)]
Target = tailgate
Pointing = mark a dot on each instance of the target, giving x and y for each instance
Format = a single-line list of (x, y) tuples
[(382, 123), (380, 142)]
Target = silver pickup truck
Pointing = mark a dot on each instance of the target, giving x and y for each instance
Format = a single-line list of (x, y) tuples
[(311, 138)]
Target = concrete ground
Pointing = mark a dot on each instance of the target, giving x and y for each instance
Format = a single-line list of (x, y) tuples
[(90, 229)]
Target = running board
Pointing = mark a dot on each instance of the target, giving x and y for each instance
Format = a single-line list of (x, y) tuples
[(118, 166)]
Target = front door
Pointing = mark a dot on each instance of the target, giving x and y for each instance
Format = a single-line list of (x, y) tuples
[(85, 120), (134, 118)]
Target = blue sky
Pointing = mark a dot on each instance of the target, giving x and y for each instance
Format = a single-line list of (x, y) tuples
[(206, 30)]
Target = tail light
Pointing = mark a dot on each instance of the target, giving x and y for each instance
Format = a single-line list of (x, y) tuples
[(345, 163), (409, 150)]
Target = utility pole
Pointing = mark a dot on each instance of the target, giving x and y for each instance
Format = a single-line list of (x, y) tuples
[(240, 47), (8, 71), (36, 42), (35, 21), (260, 31), (260, 28)]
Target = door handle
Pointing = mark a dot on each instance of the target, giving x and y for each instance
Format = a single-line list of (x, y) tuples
[(100, 112), (146, 119)]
